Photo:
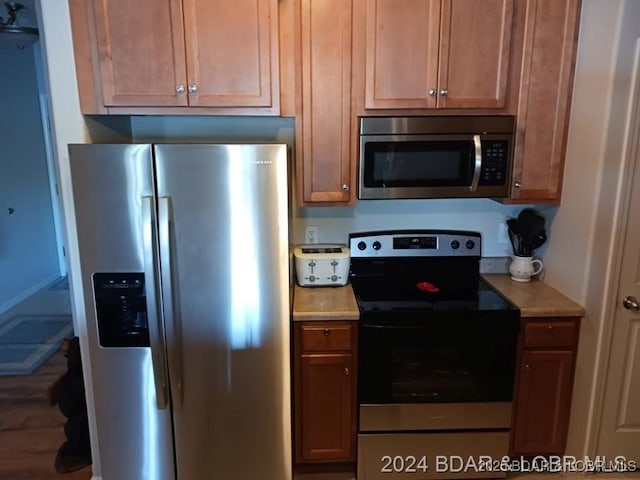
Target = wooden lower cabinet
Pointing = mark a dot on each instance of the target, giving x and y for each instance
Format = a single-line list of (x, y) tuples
[(324, 392), (544, 386)]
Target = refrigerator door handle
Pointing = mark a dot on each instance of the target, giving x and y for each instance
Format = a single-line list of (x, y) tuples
[(173, 334), (156, 336)]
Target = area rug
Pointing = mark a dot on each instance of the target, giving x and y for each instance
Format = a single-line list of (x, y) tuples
[(27, 341)]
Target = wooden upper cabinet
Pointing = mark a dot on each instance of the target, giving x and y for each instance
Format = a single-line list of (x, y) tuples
[(221, 54), (230, 51), (546, 86), (401, 69), (474, 53), (141, 52), (324, 133), (437, 53)]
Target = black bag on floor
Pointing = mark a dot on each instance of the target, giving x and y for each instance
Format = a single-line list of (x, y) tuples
[(68, 393)]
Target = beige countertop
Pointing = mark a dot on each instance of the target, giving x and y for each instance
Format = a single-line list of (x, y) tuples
[(324, 303), (535, 298)]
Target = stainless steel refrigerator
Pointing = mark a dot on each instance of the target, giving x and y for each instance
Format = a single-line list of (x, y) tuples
[(185, 271)]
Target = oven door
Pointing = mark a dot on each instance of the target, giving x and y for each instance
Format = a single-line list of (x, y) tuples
[(432, 166), (460, 371)]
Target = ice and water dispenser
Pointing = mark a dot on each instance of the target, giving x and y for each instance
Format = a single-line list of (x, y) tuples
[(121, 308)]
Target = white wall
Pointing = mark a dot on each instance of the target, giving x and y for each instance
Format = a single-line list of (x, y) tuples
[(580, 255), (28, 256)]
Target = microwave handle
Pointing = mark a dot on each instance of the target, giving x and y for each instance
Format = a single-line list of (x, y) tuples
[(478, 163)]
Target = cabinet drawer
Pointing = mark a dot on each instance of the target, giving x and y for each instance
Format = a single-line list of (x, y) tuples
[(550, 334), (326, 338)]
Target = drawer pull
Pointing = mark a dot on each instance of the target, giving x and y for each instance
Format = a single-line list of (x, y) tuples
[(326, 332), (527, 367), (346, 371), (550, 328)]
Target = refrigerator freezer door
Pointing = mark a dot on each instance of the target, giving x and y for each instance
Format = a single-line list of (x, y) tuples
[(111, 184), (223, 209)]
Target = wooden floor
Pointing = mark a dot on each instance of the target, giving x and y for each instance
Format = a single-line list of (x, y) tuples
[(30, 430)]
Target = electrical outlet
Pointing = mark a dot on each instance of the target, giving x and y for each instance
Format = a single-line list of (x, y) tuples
[(503, 236), (310, 234)]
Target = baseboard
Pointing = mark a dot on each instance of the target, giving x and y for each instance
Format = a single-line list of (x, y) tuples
[(27, 293)]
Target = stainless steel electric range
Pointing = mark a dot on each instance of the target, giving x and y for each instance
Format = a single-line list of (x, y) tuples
[(437, 354)]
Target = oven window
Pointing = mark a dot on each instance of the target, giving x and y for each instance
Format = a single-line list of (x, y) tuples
[(418, 164), (436, 361)]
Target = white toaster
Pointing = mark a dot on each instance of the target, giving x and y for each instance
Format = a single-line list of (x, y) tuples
[(322, 265)]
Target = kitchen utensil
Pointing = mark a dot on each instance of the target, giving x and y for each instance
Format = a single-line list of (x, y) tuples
[(523, 268)]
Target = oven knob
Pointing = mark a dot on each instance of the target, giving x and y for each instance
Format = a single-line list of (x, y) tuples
[(376, 245), (470, 244), (362, 245), (455, 244), (312, 278), (334, 278)]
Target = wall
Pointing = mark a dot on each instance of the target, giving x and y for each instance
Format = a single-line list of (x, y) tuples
[(580, 257), (335, 223), (68, 126), (28, 256)]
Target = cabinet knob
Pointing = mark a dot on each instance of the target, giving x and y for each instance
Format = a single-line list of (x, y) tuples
[(345, 187), (180, 89), (550, 328), (346, 371), (432, 92), (193, 88), (326, 332), (444, 92), (527, 367), (517, 185)]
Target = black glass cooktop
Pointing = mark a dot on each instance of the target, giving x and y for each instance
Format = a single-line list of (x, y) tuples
[(413, 295)]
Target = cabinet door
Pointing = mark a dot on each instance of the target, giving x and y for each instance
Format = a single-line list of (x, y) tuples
[(545, 99), (141, 52), (401, 53), (543, 400), (232, 52), (325, 28), (325, 406), (475, 43)]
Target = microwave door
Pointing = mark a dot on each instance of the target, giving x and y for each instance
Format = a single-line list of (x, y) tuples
[(419, 166)]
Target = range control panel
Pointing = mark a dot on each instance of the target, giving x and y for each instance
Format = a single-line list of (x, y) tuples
[(416, 243)]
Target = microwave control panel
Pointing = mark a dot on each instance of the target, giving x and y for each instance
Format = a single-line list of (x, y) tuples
[(495, 158)]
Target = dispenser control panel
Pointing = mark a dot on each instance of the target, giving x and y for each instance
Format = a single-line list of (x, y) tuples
[(121, 309)]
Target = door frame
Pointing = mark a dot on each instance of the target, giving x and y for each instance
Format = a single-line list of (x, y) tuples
[(629, 164), (54, 190)]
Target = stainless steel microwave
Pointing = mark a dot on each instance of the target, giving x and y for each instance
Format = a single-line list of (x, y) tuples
[(435, 157)]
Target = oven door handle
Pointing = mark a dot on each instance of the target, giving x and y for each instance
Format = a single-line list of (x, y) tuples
[(477, 164)]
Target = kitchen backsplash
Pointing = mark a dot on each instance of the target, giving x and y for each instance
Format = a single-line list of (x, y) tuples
[(481, 215)]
